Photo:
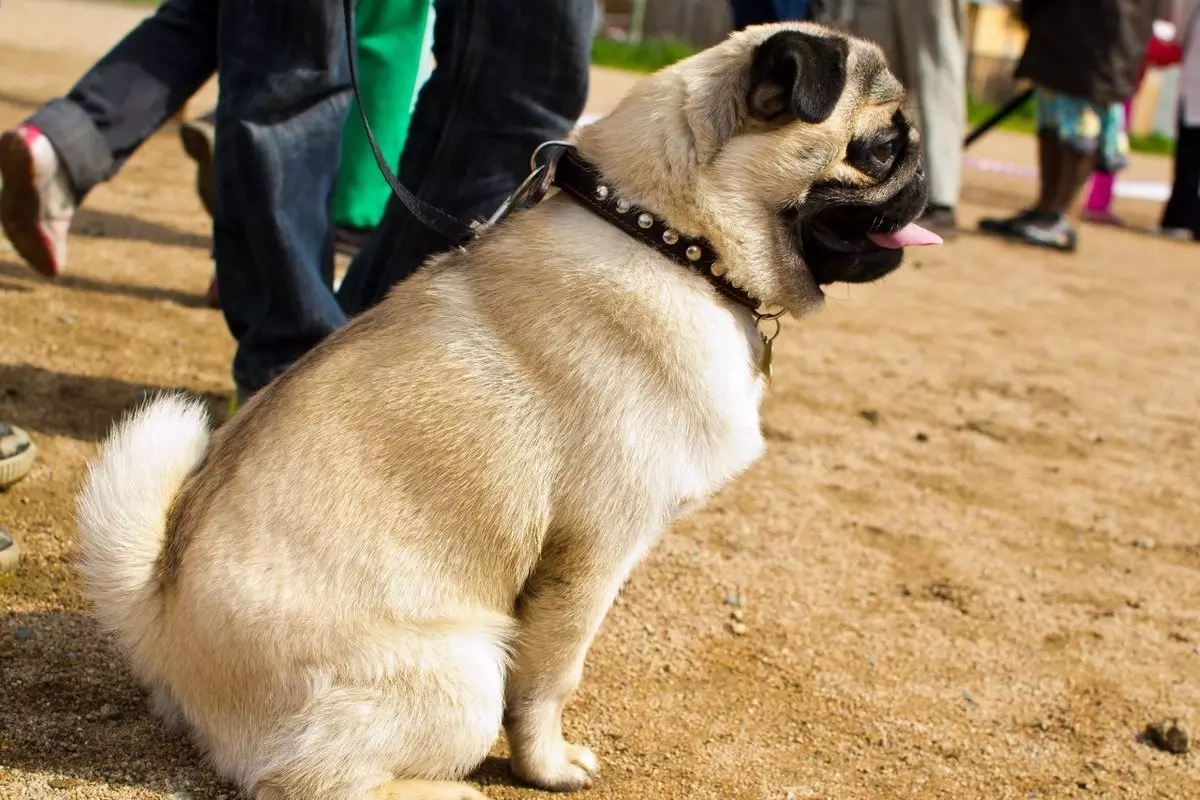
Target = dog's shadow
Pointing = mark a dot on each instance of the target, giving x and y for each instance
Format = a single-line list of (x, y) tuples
[(68, 707)]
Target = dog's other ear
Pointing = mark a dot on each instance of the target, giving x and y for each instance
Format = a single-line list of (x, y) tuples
[(799, 74)]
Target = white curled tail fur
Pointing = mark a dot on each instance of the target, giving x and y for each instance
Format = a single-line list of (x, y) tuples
[(122, 512)]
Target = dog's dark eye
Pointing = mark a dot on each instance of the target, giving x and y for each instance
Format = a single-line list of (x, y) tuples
[(884, 152), (875, 156)]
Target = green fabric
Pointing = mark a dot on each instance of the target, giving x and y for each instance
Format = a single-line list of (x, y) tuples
[(391, 49)]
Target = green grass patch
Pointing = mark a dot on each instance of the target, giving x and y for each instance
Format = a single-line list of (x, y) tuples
[(1154, 143), (1023, 120), (647, 56)]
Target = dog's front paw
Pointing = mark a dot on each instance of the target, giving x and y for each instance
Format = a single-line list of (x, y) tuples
[(564, 768)]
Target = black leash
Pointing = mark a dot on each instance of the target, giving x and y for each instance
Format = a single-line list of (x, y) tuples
[(999, 116), (452, 230), (563, 168)]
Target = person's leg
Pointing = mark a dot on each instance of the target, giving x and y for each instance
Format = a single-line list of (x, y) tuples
[(933, 49), (1049, 164), (1074, 138), (130, 92), (1098, 207), (52, 160), (1182, 211), (391, 38), (509, 76), (876, 20), (284, 94)]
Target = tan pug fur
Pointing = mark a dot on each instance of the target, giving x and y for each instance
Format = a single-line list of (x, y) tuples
[(410, 539)]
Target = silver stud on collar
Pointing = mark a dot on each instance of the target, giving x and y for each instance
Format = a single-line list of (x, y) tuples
[(623, 206), (670, 236), (645, 221), (718, 269), (694, 253), (602, 192)]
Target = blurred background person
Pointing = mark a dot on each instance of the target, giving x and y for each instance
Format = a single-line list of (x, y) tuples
[(391, 40), (926, 47), (1084, 58), (1098, 207), (51, 161), (1181, 215)]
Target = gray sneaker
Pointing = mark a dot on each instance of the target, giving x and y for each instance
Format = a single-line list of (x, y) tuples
[(16, 454)]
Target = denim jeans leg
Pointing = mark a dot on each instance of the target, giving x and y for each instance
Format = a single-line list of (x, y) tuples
[(509, 76), (130, 92), (284, 95)]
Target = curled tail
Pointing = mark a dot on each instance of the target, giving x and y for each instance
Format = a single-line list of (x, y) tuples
[(122, 510)]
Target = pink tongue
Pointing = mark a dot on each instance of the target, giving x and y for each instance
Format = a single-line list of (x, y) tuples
[(911, 235)]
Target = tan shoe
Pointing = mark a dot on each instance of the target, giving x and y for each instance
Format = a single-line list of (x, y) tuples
[(198, 137)]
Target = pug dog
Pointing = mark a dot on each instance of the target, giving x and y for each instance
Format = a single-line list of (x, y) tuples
[(409, 540)]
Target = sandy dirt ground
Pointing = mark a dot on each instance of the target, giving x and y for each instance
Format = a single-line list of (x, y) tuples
[(968, 566)]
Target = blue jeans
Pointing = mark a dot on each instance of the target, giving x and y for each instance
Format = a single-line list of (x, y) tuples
[(130, 92), (284, 96), (282, 102), (509, 76)]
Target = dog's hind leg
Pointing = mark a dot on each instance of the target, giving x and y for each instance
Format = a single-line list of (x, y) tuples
[(406, 718)]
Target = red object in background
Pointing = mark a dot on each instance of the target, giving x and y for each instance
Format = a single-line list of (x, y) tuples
[(1163, 54)]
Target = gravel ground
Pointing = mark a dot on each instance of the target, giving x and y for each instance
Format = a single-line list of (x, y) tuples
[(967, 568)]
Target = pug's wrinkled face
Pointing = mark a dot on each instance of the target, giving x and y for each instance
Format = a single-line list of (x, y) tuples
[(827, 150), (822, 164), (788, 146), (852, 222)]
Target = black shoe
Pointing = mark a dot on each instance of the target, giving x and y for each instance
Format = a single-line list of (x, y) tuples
[(1005, 226), (940, 220), (1052, 231)]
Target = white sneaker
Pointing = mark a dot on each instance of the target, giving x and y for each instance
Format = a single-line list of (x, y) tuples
[(36, 199)]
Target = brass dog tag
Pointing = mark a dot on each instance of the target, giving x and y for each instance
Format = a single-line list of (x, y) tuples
[(764, 363), (768, 343)]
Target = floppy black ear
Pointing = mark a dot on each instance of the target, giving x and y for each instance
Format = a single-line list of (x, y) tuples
[(799, 74)]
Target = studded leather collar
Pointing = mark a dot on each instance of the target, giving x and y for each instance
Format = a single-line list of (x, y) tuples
[(580, 180)]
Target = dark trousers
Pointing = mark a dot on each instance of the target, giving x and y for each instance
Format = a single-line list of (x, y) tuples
[(509, 76), (1183, 208)]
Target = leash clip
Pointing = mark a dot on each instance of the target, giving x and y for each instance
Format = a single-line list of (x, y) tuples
[(533, 189)]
